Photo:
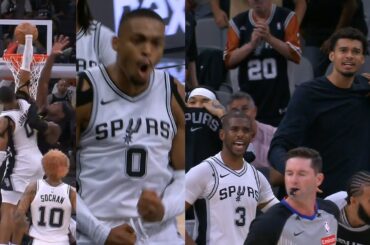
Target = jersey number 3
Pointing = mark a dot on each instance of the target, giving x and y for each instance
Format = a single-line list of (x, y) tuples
[(240, 212)]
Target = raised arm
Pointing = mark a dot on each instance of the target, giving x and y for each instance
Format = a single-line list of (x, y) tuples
[(60, 43)]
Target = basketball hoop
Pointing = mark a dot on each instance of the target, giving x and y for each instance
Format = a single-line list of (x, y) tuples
[(14, 62)]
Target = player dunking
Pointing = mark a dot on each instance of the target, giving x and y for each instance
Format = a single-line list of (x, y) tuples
[(51, 202), (130, 127), (19, 148)]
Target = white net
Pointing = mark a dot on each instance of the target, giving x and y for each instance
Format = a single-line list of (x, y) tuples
[(14, 62)]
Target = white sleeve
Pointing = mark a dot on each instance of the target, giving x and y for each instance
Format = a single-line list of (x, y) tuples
[(173, 198), (107, 55), (196, 182), (89, 225), (265, 194), (338, 198)]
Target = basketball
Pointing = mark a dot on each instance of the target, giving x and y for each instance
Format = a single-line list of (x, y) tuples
[(24, 29)]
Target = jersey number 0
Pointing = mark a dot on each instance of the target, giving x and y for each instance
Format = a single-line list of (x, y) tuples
[(136, 161)]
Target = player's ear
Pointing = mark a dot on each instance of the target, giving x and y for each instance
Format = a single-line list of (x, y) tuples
[(115, 43), (319, 179), (331, 56), (222, 135)]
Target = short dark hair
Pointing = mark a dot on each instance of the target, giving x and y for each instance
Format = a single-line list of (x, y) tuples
[(233, 114), (348, 33), (139, 13), (241, 95), (356, 183), (7, 94), (84, 15), (305, 152)]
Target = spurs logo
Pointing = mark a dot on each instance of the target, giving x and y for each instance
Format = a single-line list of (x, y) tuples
[(131, 129), (240, 193)]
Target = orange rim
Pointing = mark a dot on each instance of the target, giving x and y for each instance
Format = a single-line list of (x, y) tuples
[(18, 57)]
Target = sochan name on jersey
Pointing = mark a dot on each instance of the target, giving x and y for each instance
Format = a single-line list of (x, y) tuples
[(203, 118), (237, 192), (52, 198), (114, 127)]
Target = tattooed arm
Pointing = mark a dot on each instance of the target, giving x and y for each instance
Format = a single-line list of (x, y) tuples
[(20, 218)]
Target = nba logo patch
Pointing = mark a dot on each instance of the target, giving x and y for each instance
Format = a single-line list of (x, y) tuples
[(327, 227), (278, 26)]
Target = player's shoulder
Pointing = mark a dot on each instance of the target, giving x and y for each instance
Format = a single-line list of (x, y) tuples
[(274, 220), (328, 206), (283, 12), (206, 166), (339, 198), (241, 19)]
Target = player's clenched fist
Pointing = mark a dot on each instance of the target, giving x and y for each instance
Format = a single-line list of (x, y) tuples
[(121, 235), (150, 206)]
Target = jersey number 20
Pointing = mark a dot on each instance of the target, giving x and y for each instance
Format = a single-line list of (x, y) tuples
[(262, 69)]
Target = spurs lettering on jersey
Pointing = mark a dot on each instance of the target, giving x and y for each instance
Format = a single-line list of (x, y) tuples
[(237, 192), (149, 126), (203, 118)]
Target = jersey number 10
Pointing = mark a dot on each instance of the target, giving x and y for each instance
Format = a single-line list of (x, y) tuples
[(55, 217)]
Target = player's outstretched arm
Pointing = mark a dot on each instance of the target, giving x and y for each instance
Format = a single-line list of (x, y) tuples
[(20, 219), (60, 42)]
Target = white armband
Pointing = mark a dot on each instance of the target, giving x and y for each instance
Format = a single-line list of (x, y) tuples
[(72, 228), (2, 157), (174, 196), (89, 225)]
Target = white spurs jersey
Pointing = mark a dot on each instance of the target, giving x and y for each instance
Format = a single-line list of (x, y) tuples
[(24, 162), (125, 147), (231, 198), (94, 46), (51, 211)]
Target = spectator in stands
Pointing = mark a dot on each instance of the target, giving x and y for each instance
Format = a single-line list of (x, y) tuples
[(331, 115), (354, 206), (62, 93), (318, 26), (203, 123), (260, 42), (237, 7)]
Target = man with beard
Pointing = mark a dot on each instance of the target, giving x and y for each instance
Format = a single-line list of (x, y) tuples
[(354, 205), (233, 188), (331, 115)]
